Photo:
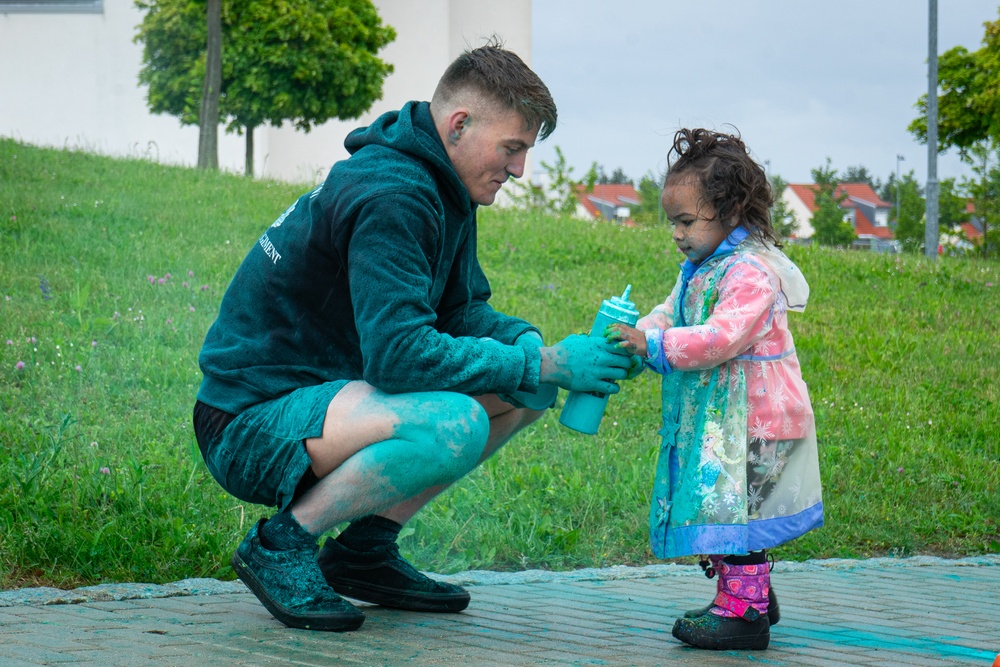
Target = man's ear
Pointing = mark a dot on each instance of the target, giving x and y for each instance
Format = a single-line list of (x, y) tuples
[(458, 120)]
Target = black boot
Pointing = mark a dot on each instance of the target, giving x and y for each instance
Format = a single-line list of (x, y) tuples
[(738, 617), (724, 634), (710, 568)]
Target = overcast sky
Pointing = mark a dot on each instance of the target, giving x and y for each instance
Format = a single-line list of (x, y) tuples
[(801, 80)]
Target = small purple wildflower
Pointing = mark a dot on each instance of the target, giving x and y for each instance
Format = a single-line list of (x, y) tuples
[(151, 279), (204, 288), (10, 342), (79, 368), (93, 343), (899, 469), (184, 284), (190, 274), (105, 470), (33, 339), (19, 365), (161, 281), (167, 275), (191, 309), (43, 285)]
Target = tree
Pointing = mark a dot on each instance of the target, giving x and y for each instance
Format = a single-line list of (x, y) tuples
[(208, 123), (782, 218), (649, 212), (602, 176), (912, 213), (969, 104), (617, 177), (526, 195), (302, 61), (887, 193), (557, 194), (828, 218), (860, 174), (985, 191), (560, 195), (951, 205), (969, 114)]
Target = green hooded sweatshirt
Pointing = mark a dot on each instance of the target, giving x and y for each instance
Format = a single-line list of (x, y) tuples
[(372, 276)]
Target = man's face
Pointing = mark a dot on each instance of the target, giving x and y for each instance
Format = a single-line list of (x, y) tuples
[(488, 151)]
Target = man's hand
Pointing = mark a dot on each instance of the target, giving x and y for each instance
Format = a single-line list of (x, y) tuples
[(546, 395), (582, 363)]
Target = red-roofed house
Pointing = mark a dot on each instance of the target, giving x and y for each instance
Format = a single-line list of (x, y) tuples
[(973, 229), (607, 202), (862, 208)]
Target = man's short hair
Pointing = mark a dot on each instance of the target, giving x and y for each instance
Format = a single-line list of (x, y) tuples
[(501, 77)]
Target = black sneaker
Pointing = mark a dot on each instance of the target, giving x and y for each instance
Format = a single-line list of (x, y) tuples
[(381, 576), (290, 585), (773, 610)]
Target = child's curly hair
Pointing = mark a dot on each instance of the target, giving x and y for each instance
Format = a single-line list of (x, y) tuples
[(731, 181)]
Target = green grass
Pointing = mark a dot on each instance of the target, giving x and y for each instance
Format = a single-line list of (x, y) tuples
[(101, 480)]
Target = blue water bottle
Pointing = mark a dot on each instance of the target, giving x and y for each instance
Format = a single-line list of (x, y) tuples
[(584, 410)]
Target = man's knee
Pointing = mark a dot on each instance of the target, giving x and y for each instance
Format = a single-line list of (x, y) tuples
[(438, 438), (458, 427)]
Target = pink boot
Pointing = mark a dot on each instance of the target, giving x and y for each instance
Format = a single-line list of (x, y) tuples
[(738, 617), (712, 566)]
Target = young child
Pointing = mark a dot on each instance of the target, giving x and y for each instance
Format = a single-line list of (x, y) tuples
[(738, 471)]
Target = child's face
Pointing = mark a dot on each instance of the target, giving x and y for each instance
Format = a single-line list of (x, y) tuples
[(697, 231)]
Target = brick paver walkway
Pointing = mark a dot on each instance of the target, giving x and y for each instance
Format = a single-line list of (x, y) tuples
[(912, 612)]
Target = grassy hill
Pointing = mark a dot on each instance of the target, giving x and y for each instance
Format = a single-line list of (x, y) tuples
[(111, 273)]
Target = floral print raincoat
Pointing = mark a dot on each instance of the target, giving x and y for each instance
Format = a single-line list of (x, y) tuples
[(738, 469)]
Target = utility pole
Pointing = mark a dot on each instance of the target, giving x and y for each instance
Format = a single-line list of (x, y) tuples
[(931, 231)]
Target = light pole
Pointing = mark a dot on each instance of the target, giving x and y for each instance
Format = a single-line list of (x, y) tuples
[(899, 158), (931, 230)]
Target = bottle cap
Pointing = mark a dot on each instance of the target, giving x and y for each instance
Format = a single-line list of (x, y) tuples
[(623, 299), (622, 302)]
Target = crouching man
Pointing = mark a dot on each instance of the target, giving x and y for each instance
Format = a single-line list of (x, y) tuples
[(356, 368)]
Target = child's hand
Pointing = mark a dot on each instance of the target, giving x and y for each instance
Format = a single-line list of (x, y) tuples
[(627, 338)]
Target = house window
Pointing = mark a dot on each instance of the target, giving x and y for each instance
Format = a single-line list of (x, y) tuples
[(51, 6)]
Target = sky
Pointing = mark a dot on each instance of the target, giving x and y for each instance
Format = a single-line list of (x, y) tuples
[(800, 80)]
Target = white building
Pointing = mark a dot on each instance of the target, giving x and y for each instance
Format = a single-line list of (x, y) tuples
[(70, 79), (862, 207)]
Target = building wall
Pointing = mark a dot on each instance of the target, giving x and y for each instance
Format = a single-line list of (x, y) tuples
[(76, 83), (803, 216)]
